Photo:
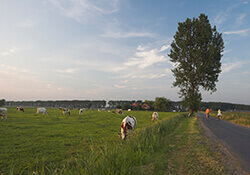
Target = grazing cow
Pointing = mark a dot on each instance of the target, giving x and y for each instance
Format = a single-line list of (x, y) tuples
[(81, 111), (19, 109), (66, 110), (120, 111), (42, 110), (3, 113), (129, 123), (154, 116)]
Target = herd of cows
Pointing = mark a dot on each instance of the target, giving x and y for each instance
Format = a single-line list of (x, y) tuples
[(129, 123)]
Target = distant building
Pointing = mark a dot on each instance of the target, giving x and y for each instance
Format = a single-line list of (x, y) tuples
[(134, 104), (146, 106)]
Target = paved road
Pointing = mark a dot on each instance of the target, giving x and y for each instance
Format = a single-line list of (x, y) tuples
[(234, 137)]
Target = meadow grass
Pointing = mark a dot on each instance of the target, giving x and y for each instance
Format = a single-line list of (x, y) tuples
[(240, 118), (28, 139), (89, 144)]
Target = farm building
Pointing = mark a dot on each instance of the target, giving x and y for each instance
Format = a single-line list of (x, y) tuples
[(146, 106), (135, 106)]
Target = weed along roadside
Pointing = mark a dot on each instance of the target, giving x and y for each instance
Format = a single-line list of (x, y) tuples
[(186, 151), (172, 145)]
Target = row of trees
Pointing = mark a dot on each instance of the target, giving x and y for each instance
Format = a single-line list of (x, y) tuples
[(60, 103), (160, 104), (224, 106), (125, 104)]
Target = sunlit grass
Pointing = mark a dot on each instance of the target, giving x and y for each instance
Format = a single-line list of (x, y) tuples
[(27, 138), (89, 144)]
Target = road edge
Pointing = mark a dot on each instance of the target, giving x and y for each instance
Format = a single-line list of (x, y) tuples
[(230, 158)]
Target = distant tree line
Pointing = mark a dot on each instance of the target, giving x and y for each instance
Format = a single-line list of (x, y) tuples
[(125, 104), (2, 102), (60, 103), (159, 104), (224, 106)]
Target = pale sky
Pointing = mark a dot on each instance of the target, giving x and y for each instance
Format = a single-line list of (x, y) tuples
[(113, 49)]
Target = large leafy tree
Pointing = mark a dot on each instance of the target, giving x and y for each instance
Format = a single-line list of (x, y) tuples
[(196, 52), (161, 104)]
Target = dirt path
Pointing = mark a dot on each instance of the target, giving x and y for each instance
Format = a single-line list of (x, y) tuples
[(235, 138)]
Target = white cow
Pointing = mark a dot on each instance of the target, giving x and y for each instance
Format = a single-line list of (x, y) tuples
[(81, 111), (3, 113), (129, 123), (120, 111), (42, 110), (154, 116)]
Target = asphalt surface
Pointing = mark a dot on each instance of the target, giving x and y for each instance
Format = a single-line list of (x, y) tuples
[(234, 137)]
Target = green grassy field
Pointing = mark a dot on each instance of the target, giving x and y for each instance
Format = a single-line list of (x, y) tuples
[(89, 144)]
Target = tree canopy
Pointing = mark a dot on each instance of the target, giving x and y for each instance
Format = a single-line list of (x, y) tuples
[(161, 104), (196, 52), (2, 102)]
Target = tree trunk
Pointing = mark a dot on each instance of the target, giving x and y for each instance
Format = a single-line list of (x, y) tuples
[(191, 101), (190, 113)]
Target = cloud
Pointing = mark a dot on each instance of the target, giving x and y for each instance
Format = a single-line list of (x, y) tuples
[(12, 68), (18, 83), (120, 86), (83, 11), (144, 58), (116, 29), (9, 51), (227, 13), (111, 34), (227, 67), (220, 18), (238, 32), (240, 19), (163, 48), (146, 75), (26, 24), (226, 51), (245, 2), (68, 71), (101, 65)]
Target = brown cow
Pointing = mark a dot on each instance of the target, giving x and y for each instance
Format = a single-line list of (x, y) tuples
[(19, 109), (129, 123)]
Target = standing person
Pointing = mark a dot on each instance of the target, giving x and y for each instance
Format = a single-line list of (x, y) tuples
[(219, 114), (207, 113)]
